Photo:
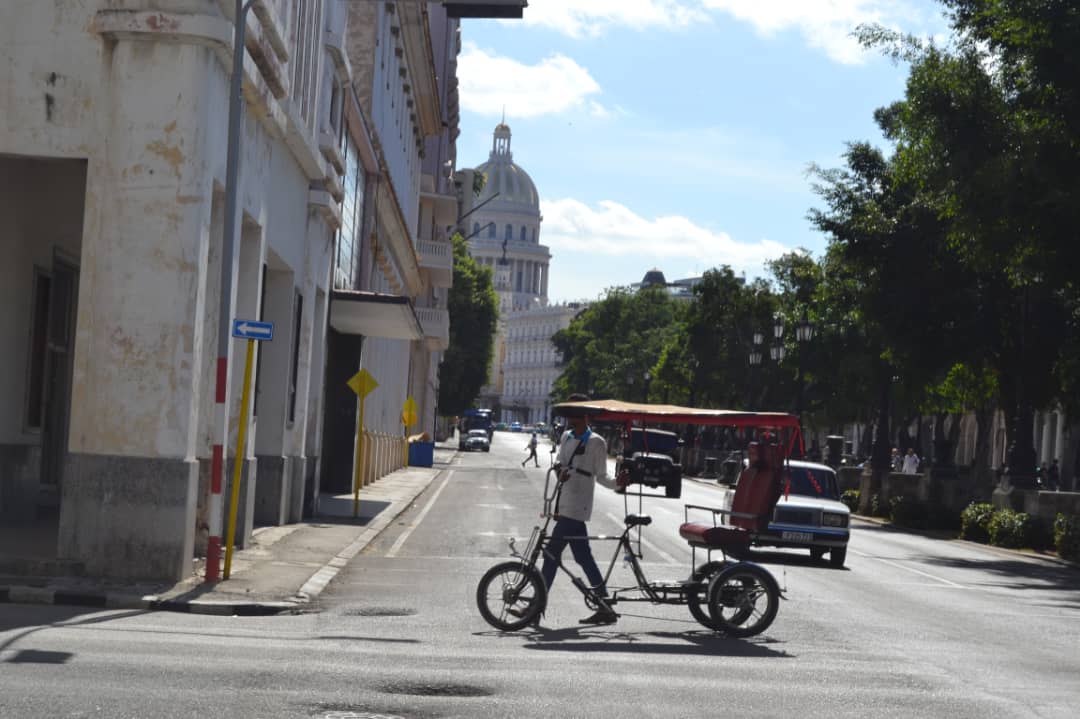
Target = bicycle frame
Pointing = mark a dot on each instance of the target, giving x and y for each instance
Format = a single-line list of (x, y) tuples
[(655, 593)]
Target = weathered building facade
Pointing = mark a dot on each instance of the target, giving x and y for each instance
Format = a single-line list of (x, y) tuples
[(113, 146)]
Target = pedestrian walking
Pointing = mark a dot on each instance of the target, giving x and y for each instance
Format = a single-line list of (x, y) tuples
[(531, 446)]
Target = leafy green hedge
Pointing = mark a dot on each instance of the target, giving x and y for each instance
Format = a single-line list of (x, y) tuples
[(850, 497), (1009, 528), (1067, 536), (975, 522)]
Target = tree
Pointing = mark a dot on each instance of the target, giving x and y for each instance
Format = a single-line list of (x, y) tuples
[(610, 346), (473, 307)]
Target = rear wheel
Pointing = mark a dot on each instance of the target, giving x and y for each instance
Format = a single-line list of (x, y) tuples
[(837, 556), (673, 489), (817, 553), (743, 600), (697, 598), (511, 596)]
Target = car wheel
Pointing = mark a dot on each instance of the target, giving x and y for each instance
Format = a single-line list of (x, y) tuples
[(673, 489), (816, 553), (837, 557)]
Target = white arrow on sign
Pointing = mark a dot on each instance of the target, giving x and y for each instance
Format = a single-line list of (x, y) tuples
[(253, 330)]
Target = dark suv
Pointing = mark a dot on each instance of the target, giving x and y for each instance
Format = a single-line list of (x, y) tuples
[(652, 458)]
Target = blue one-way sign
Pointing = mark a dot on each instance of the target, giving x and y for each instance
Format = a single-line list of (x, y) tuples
[(252, 330)]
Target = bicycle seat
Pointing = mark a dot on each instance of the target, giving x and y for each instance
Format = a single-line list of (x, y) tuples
[(634, 520)]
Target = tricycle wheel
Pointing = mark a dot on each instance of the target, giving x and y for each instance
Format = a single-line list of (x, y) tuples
[(743, 599), (697, 596), (511, 596)]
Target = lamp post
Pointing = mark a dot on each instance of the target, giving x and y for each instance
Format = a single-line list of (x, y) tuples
[(647, 376), (804, 332), (755, 361)]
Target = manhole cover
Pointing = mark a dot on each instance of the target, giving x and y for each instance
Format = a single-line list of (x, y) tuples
[(435, 689), (377, 612)]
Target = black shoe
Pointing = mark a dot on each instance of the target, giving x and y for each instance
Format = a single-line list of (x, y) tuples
[(522, 613), (601, 617)]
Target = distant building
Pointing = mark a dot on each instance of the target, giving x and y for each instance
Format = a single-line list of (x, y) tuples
[(503, 227), (679, 289)]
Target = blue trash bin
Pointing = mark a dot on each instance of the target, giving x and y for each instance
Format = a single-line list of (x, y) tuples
[(421, 454)]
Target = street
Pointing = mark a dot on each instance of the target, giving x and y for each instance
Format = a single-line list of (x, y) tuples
[(912, 627)]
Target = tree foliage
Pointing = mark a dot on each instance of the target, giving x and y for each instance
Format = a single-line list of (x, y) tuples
[(473, 307)]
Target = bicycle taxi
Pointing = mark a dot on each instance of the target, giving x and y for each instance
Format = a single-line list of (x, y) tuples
[(737, 598)]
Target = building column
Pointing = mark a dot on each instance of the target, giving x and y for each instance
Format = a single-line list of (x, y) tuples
[(128, 500)]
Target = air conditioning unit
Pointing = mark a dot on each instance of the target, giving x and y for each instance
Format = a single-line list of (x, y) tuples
[(485, 8)]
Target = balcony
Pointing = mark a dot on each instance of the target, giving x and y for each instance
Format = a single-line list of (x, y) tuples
[(438, 259), (436, 326)]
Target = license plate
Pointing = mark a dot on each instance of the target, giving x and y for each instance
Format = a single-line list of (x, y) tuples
[(797, 536)]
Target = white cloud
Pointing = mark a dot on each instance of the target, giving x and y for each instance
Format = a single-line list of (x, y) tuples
[(490, 83), (578, 18), (613, 230), (824, 24)]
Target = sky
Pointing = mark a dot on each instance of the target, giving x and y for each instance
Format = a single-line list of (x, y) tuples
[(677, 134)]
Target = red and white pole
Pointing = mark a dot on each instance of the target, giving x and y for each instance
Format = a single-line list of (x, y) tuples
[(216, 505)]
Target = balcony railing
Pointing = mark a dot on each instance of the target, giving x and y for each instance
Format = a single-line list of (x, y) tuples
[(438, 259), (436, 325)]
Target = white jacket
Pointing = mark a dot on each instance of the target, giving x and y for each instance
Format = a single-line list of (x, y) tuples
[(586, 471)]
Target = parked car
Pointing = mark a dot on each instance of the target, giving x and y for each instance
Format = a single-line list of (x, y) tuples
[(515, 427), (651, 457), (475, 441), (809, 514)]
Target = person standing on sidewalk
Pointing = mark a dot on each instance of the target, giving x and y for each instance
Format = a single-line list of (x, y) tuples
[(531, 446), (583, 465)]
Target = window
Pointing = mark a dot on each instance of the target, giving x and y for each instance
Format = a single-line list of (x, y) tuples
[(523, 233), (35, 390), (509, 232), (298, 317), (476, 228), (491, 230)]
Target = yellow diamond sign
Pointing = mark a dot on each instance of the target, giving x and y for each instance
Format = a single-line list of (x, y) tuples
[(408, 412), (362, 383)]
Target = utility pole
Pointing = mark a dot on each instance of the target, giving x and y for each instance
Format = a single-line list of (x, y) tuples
[(228, 268)]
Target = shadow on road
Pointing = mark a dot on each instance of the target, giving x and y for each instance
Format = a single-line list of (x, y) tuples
[(705, 643)]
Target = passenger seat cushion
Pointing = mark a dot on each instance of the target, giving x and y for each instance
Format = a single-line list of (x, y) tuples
[(709, 535)]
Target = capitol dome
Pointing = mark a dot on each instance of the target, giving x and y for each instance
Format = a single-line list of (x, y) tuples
[(513, 184)]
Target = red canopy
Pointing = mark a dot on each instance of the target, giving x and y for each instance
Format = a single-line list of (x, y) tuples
[(613, 410)]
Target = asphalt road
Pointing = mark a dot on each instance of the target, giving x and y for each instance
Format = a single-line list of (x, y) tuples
[(913, 627)]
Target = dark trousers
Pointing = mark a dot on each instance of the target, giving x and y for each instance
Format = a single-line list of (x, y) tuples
[(532, 456), (564, 528)]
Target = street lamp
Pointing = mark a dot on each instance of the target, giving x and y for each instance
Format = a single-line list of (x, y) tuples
[(755, 361), (648, 378), (804, 332)]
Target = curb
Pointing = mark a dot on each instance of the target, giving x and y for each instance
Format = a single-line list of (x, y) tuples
[(310, 590), (20, 594)]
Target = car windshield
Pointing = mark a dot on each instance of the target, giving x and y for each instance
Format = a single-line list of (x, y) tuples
[(812, 482), (477, 433)]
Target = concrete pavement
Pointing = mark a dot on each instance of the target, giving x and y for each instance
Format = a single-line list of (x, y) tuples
[(283, 569)]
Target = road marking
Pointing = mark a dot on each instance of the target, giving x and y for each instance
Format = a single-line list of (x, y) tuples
[(913, 571), (423, 513), (646, 543)]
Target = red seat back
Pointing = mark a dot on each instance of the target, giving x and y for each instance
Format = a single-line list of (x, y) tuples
[(758, 489)]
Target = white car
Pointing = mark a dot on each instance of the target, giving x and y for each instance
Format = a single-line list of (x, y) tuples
[(476, 440), (809, 514)]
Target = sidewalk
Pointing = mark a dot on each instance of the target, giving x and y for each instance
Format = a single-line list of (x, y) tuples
[(283, 568)]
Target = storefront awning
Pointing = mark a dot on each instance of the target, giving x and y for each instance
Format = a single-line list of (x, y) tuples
[(374, 314)]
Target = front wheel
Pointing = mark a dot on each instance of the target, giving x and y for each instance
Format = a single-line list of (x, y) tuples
[(511, 596), (837, 555), (743, 599)]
